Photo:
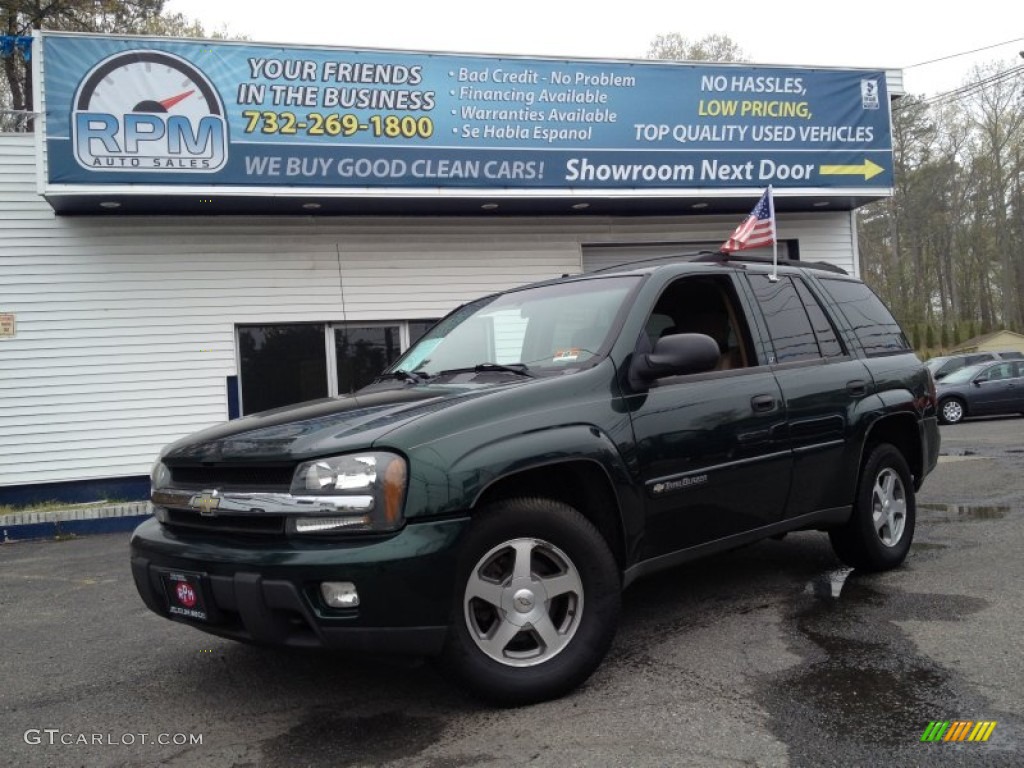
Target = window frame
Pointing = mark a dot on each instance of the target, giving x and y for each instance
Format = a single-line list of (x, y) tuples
[(330, 355)]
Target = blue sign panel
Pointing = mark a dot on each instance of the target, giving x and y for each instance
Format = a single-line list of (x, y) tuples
[(135, 111)]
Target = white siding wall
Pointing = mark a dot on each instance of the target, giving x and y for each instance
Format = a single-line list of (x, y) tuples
[(126, 324)]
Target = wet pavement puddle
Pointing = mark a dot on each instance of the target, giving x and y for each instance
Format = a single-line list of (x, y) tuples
[(863, 688), (959, 513), (828, 584)]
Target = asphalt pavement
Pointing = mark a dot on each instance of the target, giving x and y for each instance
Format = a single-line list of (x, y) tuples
[(772, 655)]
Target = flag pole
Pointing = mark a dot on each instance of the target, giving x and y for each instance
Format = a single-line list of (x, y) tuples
[(775, 238)]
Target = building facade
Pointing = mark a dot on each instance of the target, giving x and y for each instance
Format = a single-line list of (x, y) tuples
[(127, 328)]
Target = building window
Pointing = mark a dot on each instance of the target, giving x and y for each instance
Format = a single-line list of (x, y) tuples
[(283, 364), (362, 352)]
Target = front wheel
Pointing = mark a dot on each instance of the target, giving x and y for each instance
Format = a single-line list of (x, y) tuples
[(536, 603), (952, 411), (881, 527)]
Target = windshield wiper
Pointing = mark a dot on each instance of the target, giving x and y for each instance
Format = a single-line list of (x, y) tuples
[(410, 376), (520, 369)]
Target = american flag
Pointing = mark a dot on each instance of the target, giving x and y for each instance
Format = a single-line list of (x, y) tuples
[(756, 230)]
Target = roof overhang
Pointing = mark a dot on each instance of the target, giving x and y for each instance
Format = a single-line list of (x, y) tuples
[(205, 201)]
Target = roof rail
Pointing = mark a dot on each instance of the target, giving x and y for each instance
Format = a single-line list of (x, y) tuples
[(719, 257), (684, 256), (724, 258)]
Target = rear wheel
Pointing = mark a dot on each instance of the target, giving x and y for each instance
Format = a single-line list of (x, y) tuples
[(536, 604), (881, 527), (952, 411)]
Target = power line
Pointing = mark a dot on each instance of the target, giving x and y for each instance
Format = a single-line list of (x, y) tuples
[(970, 88), (964, 90), (964, 53)]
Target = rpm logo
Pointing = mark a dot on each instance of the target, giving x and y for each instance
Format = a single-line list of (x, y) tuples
[(185, 594), (147, 111)]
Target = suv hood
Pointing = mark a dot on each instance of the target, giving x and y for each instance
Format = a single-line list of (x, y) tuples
[(320, 427)]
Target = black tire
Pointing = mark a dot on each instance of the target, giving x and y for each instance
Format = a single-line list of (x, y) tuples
[(877, 536), (952, 410), (554, 540)]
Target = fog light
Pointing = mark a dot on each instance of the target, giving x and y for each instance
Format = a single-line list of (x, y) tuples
[(321, 524), (340, 594)]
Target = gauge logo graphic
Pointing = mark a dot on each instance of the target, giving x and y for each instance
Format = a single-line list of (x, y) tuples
[(148, 111)]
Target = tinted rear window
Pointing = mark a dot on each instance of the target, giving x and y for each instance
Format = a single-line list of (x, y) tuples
[(875, 327), (786, 316)]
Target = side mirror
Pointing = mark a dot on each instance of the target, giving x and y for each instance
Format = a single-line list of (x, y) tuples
[(676, 355), (977, 382)]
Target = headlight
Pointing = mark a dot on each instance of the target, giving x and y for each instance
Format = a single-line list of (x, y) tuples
[(159, 476), (369, 489)]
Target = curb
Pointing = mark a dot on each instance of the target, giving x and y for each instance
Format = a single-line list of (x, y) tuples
[(116, 518)]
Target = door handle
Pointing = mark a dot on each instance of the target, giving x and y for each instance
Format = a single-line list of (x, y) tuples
[(857, 387), (762, 403)]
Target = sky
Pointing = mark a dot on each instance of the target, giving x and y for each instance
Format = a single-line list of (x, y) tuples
[(870, 34)]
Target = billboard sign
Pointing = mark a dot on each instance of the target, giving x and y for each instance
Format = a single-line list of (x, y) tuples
[(162, 112)]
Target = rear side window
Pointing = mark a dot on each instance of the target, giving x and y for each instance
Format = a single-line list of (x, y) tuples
[(828, 342), (875, 327), (787, 320)]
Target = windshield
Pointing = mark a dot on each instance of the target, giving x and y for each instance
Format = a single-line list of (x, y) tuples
[(545, 329), (964, 374), (936, 363)]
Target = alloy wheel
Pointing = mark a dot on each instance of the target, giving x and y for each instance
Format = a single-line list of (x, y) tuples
[(889, 507), (523, 602)]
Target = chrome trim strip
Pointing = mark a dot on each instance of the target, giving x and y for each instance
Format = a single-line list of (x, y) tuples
[(260, 503), (716, 467), (802, 449)]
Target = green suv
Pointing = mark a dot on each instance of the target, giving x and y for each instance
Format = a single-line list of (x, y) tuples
[(487, 499)]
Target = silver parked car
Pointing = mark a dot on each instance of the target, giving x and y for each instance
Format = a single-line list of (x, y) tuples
[(985, 389)]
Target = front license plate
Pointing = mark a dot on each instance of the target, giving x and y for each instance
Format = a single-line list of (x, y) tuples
[(185, 595)]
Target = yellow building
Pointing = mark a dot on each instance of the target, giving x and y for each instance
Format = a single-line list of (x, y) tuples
[(999, 341)]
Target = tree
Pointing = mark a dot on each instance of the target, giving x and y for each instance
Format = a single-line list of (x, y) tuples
[(141, 17), (945, 249), (675, 47)]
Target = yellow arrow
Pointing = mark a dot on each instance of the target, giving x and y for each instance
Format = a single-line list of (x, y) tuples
[(868, 169)]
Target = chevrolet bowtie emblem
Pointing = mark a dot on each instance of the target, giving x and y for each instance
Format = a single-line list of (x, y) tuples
[(206, 502)]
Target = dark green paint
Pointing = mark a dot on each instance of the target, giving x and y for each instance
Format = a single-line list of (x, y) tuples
[(688, 461)]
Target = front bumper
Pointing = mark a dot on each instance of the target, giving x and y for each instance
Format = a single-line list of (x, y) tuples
[(268, 592)]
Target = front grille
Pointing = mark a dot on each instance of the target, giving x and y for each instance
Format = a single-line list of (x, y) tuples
[(233, 478), (225, 523)]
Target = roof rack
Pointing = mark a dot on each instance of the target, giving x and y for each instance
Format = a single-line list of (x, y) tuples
[(724, 258), (719, 257), (685, 256)]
